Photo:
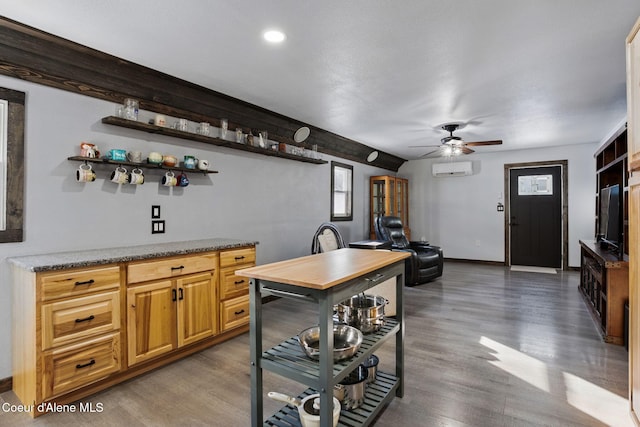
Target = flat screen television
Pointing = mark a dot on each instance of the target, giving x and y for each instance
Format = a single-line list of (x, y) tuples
[(610, 218)]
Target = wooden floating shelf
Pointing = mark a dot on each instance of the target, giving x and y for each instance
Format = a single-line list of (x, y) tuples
[(145, 127), (137, 165)]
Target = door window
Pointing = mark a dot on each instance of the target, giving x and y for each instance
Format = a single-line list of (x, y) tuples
[(535, 185)]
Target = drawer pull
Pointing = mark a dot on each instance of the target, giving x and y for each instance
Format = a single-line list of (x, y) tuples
[(177, 268), (238, 282), (374, 279), (86, 319), (238, 312), (239, 258), (86, 365), (86, 282)]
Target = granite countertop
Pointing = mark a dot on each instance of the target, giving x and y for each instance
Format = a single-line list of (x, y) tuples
[(87, 258)]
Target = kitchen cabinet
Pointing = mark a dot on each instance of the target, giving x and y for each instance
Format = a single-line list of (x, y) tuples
[(174, 308), (389, 196), (86, 320), (67, 330), (234, 289), (633, 141), (325, 279)]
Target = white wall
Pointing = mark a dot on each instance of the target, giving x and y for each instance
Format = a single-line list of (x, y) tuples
[(276, 201), (459, 213)]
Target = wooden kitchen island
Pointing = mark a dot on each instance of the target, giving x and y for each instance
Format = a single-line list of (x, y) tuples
[(325, 279)]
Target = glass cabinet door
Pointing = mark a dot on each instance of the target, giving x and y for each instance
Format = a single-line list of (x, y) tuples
[(377, 197)]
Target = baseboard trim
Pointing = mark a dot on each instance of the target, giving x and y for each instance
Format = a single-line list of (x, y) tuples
[(6, 384), (475, 261), (499, 263)]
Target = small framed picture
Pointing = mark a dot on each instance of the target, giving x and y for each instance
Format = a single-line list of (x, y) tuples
[(155, 211)]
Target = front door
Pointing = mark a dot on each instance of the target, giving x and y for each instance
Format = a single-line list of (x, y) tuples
[(535, 222)]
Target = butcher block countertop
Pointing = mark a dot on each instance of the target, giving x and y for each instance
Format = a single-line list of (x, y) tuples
[(87, 258), (325, 270)]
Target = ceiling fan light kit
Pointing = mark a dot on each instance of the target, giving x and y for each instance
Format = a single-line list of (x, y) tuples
[(453, 145)]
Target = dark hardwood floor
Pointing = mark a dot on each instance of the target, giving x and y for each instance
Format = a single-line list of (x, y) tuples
[(484, 347)]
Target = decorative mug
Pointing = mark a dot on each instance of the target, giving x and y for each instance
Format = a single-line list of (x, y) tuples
[(119, 176), (182, 180), (155, 158), (117, 154), (169, 179), (89, 150), (203, 165), (85, 173), (160, 120), (169, 160), (136, 177), (134, 156), (190, 162)]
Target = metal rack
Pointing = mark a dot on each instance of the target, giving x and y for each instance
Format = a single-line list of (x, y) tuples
[(288, 360)]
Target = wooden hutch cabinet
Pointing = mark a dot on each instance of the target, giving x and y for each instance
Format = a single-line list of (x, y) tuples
[(389, 196)]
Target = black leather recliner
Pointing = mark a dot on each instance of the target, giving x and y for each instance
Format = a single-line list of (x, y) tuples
[(426, 261)]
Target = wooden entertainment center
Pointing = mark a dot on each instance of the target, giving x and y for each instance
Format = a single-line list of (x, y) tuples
[(604, 272)]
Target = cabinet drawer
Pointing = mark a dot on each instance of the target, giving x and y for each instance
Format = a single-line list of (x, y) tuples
[(170, 267), (238, 257), (232, 285), (234, 312), (75, 366), (78, 282), (76, 318)]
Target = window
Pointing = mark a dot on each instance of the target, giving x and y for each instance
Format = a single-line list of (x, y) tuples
[(535, 185), (11, 165), (341, 192)]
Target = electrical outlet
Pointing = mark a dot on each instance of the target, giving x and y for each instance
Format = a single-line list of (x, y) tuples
[(157, 227)]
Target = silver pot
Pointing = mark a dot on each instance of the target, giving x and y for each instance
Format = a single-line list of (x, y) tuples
[(308, 408), (365, 312), (354, 388), (346, 342)]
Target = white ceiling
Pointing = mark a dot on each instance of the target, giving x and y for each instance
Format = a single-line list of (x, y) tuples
[(388, 74)]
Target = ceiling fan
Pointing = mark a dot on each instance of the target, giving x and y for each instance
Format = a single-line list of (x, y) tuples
[(454, 145)]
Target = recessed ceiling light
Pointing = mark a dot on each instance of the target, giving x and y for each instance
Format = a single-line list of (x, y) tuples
[(274, 36)]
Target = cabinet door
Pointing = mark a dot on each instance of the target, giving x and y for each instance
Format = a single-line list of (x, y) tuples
[(633, 96), (634, 294), (151, 322), (402, 204), (382, 199), (196, 313)]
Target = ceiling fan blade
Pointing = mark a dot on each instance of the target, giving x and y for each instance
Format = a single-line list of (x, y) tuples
[(478, 143), (429, 154), (423, 146), (466, 150)]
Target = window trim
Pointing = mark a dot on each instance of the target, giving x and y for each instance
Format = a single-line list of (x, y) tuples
[(14, 184), (349, 168)]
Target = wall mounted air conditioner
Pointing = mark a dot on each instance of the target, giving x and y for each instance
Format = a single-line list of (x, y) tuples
[(452, 169)]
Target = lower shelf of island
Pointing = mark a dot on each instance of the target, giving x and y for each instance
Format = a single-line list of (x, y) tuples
[(289, 360), (377, 394)]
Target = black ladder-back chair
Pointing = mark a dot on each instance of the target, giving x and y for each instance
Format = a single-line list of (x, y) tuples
[(426, 261)]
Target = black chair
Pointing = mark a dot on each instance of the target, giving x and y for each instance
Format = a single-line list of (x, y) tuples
[(327, 238), (426, 261)]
